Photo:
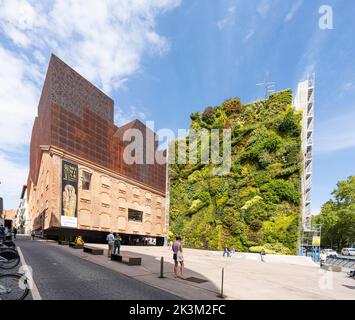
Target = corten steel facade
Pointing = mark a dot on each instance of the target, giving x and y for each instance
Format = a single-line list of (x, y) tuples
[(75, 123)]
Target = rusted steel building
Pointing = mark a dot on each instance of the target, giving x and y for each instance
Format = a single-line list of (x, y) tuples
[(78, 181)]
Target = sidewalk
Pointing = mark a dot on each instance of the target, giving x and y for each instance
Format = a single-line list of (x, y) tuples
[(149, 272), (245, 276)]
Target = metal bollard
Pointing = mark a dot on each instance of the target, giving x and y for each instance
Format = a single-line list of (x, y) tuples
[(221, 294), (161, 267)]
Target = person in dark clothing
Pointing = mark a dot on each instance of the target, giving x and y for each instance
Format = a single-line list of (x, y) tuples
[(226, 252), (2, 233), (117, 245), (262, 255), (14, 231)]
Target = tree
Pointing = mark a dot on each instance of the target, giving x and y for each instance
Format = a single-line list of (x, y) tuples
[(337, 216)]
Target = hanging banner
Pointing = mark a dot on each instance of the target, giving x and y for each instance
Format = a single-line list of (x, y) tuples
[(69, 195)]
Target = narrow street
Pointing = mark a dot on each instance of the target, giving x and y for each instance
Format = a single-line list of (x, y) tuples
[(62, 276)]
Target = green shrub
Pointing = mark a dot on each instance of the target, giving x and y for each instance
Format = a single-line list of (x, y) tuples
[(194, 176), (195, 116), (282, 190), (208, 115), (232, 106), (269, 248)]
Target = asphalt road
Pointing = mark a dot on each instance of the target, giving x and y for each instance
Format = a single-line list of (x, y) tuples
[(60, 275)]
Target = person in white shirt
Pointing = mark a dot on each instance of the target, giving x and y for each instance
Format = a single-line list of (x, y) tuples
[(323, 258), (110, 241)]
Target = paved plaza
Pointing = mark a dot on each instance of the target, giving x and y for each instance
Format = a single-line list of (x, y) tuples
[(245, 275)]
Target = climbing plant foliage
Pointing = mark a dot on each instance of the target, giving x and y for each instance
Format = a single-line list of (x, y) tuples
[(256, 205)]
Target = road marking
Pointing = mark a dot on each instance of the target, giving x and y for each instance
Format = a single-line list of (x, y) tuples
[(34, 290)]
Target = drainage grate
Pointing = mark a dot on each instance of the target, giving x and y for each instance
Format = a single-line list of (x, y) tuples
[(196, 280)]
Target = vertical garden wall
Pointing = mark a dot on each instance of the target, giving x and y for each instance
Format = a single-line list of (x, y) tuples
[(257, 204)]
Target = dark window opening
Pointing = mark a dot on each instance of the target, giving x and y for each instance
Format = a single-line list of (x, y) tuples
[(135, 215), (86, 180)]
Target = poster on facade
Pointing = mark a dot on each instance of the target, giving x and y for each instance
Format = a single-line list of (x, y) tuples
[(69, 195)]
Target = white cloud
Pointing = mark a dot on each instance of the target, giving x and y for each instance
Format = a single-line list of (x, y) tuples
[(316, 211), (293, 10), (348, 86), (228, 19), (12, 177), (263, 8), (17, 18), (308, 70), (249, 35), (125, 115), (18, 100), (39, 57), (335, 134), (103, 40)]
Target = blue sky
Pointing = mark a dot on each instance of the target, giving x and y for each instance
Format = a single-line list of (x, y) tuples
[(161, 60)]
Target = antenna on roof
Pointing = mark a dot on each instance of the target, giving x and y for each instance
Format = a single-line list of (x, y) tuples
[(269, 87)]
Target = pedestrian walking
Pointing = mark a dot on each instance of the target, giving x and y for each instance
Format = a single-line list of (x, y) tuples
[(110, 241), (323, 258), (226, 251), (233, 250), (180, 260), (32, 235), (262, 254), (14, 231), (178, 256), (8, 235), (117, 245)]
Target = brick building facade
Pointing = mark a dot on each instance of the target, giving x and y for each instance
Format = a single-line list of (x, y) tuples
[(75, 124)]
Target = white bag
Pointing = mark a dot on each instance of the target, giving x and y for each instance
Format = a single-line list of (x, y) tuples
[(180, 256)]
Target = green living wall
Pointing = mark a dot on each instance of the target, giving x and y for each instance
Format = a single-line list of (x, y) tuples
[(257, 204)]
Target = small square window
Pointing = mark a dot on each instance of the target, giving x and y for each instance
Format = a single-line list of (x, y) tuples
[(135, 215), (86, 180)]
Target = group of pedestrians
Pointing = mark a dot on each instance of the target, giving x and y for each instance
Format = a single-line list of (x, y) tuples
[(4, 232), (227, 252), (114, 243)]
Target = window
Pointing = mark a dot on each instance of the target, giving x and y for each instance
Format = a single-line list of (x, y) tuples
[(135, 215), (86, 180)]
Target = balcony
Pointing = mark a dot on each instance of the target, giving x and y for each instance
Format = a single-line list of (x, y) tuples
[(308, 168), (309, 121), (310, 109), (310, 94), (308, 208), (308, 185), (308, 161), (309, 126)]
